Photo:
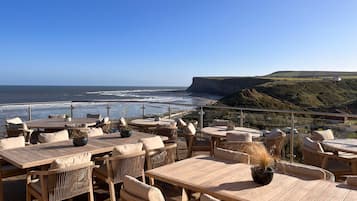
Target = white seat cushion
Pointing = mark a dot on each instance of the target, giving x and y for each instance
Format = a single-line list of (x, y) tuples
[(11, 143), (77, 159), (322, 135), (152, 143), (141, 190), (53, 137), (92, 132), (127, 149), (15, 120)]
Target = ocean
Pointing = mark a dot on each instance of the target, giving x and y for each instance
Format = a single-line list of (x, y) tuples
[(15, 101)]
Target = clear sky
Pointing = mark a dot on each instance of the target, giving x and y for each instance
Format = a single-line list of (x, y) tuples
[(167, 42)]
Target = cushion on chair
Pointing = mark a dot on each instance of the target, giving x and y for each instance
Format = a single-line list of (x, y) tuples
[(127, 149), (205, 197), (236, 136), (312, 145), (53, 137), (12, 142), (322, 135), (106, 120), (123, 122), (351, 180), (231, 155), (152, 143), (190, 129), (92, 132), (77, 159), (144, 191), (15, 120), (181, 123)]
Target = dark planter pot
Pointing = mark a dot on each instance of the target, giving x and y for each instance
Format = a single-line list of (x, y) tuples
[(125, 133), (261, 175), (81, 141)]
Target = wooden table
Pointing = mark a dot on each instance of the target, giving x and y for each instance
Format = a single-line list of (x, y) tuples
[(44, 154), (58, 123), (233, 181), (346, 145), (218, 132)]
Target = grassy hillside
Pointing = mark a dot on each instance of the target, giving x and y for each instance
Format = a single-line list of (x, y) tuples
[(318, 95), (310, 74)]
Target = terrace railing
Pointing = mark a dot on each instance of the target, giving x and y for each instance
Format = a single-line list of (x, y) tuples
[(302, 121)]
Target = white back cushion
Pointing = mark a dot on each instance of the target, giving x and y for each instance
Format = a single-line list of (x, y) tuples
[(152, 143), (53, 137), (123, 121), (190, 129), (322, 135), (15, 120), (310, 144), (181, 122), (12, 142), (127, 149), (77, 159), (141, 190), (92, 132)]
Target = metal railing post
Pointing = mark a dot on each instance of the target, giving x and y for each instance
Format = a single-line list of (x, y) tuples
[(143, 109), (241, 119), (292, 133), (72, 107), (169, 111), (201, 117), (29, 112), (108, 110)]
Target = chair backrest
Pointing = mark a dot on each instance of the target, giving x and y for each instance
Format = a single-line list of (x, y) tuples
[(123, 122), (312, 145), (238, 136), (351, 180), (322, 135), (230, 155), (15, 130), (94, 116), (168, 131), (16, 120), (12, 142), (181, 123), (220, 122), (205, 197), (134, 190), (190, 129), (274, 142), (53, 137), (57, 116), (152, 143), (312, 151), (301, 170)]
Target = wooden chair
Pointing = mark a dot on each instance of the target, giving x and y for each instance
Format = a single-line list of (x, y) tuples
[(7, 169), (134, 190), (236, 142), (194, 142), (304, 171), (167, 131), (157, 153), (117, 167), (274, 142), (105, 124), (322, 135), (230, 155), (60, 184), (16, 127), (313, 154)]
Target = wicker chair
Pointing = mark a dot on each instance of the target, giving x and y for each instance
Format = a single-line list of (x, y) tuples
[(194, 142), (6, 169), (16, 127), (304, 171), (274, 142), (167, 131), (134, 190), (230, 155), (117, 167), (157, 153), (313, 154), (60, 184)]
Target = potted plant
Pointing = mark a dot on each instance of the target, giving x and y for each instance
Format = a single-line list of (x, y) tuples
[(125, 131), (262, 170), (80, 137)]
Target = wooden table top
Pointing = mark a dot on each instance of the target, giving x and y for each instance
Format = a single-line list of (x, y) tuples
[(43, 154), (151, 122), (221, 131), (346, 145), (58, 123), (233, 181)]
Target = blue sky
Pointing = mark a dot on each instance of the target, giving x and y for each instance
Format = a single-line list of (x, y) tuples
[(167, 42)]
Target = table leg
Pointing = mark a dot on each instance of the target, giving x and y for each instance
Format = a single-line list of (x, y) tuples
[(184, 195), (213, 144), (151, 181)]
